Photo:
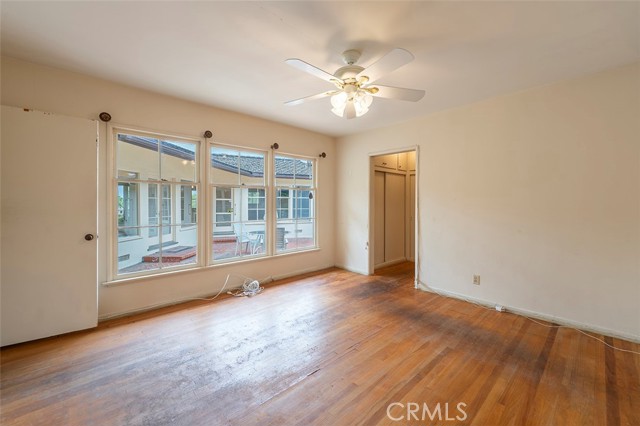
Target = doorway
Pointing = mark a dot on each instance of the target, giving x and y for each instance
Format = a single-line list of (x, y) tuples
[(393, 209)]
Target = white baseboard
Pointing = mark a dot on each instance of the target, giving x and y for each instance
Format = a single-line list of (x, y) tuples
[(390, 263), (293, 274), (533, 314), (354, 270), (204, 296)]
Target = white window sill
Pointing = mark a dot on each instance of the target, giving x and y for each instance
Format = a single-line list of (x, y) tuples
[(196, 268)]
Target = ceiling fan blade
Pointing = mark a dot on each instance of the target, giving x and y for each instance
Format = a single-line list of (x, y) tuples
[(350, 110), (389, 62), (311, 98), (308, 68), (400, 93)]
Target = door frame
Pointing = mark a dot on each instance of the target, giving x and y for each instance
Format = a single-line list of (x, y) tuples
[(371, 244)]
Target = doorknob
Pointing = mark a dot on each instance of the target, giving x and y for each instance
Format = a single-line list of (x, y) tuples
[(89, 237)]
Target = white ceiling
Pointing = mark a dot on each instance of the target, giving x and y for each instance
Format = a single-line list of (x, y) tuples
[(231, 54)]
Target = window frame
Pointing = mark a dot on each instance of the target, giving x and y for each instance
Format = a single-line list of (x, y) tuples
[(205, 210), (237, 192), (113, 275), (292, 207)]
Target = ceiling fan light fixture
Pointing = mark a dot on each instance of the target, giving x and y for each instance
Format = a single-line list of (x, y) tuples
[(339, 103), (354, 94), (360, 99)]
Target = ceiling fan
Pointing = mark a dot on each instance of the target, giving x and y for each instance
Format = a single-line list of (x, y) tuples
[(354, 84)]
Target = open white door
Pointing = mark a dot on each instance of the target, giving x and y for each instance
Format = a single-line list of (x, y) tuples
[(49, 221)]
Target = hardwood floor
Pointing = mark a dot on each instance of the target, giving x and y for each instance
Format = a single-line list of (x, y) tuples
[(332, 348)]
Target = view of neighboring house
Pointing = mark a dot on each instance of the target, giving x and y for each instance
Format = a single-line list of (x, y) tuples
[(158, 199)]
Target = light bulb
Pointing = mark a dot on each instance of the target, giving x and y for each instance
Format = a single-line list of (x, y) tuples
[(362, 100), (339, 102)]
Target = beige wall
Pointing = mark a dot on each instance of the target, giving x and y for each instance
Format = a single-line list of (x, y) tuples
[(538, 192), (53, 90)]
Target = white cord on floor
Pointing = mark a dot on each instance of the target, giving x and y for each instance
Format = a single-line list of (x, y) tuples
[(583, 332), (533, 320), (249, 288)]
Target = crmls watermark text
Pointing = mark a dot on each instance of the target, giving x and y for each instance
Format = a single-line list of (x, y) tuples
[(399, 411)]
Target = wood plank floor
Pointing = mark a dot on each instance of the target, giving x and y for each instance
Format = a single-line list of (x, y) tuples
[(331, 348)]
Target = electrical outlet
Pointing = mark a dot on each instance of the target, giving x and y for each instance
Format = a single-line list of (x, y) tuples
[(476, 280)]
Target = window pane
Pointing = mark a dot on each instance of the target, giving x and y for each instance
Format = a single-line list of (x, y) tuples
[(222, 225), (156, 221), (295, 235), (139, 155), (303, 202), (179, 160), (284, 230), (223, 208), (254, 234), (181, 249), (153, 202), (255, 204), (251, 168), (188, 205), (127, 209), (225, 241), (242, 240), (304, 235), (224, 166), (166, 206), (139, 255), (295, 207), (282, 203), (285, 171), (134, 256), (223, 192), (304, 172)]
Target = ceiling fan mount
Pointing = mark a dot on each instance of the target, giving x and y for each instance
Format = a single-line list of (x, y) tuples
[(350, 56), (354, 92)]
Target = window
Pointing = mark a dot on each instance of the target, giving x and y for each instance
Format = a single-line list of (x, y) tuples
[(239, 203), (155, 197), (152, 172), (295, 204)]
